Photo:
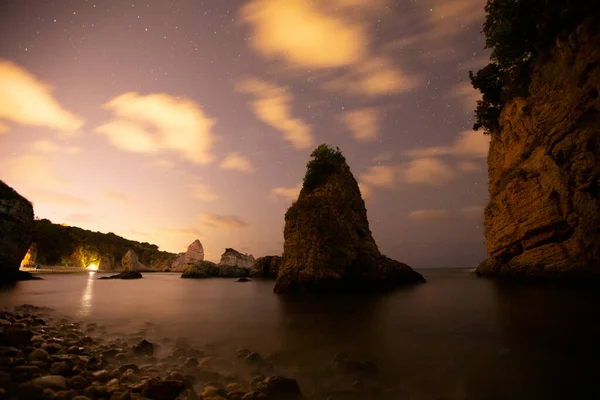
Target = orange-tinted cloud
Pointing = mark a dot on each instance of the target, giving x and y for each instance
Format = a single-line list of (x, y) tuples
[(221, 221), (379, 175), (237, 162), (466, 95), (366, 192), (203, 192), (473, 213), (301, 33), (272, 105), (429, 215), (467, 144), (289, 193), (153, 123), (27, 101), (363, 123), (46, 146), (468, 166), (115, 196), (427, 171)]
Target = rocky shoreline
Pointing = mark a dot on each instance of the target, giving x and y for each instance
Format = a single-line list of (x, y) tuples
[(47, 357)]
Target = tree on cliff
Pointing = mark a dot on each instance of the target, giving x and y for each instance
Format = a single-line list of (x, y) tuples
[(518, 32)]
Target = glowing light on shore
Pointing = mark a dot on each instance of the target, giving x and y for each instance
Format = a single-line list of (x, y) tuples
[(93, 267)]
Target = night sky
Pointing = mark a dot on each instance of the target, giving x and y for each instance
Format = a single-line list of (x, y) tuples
[(167, 121)]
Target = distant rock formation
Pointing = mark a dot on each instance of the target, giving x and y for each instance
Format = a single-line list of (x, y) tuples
[(124, 275), (60, 245), (207, 269), (327, 240), (266, 267), (16, 228), (130, 262), (194, 254), (234, 258), (544, 171)]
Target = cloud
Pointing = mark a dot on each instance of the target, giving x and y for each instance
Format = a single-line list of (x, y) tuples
[(153, 123), (363, 123), (51, 197), (467, 144), (163, 163), (379, 175), (202, 192), (466, 95), (302, 34), (34, 171), (366, 191), (473, 212), (373, 77), (3, 128), (289, 193), (272, 105), (182, 231), (385, 156), (116, 196), (427, 171), (237, 162), (222, 221), (468, 166), (46, 146), (429, 215), (27, 101)]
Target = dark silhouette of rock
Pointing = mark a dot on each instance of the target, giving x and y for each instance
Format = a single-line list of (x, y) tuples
[(327, 241), (143, 348), (544, 171), (16, 230), (125, 275), (266, 267), (207, 269), (243, 279)]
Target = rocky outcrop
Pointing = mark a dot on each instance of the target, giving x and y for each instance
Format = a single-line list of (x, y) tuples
[(544, 171), (16, 228), (207, 269), (194, 254), (130, 262), (125, 275), (327, 241), (266, 267), (234, 258)]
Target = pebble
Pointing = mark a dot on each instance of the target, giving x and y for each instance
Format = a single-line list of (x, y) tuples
[(38, 355), (54, 382)]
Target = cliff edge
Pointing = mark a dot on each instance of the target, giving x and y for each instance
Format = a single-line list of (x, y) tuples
[(543, 218)]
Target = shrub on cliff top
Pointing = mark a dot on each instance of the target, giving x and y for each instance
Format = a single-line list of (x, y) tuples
[(324, 160), (518, 32)]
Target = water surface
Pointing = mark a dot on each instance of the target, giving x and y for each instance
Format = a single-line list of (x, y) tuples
[(455, 337)]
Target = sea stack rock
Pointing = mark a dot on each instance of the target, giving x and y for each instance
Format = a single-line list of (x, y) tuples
[(233, 258), (130, 262), (194, 253), (266, 267), (327, 241), (544, 170), (16, 230)]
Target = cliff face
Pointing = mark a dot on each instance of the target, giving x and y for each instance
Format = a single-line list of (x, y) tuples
[(327, 241), (234, 258), (543, 218), (16, 227), (266, 267), (72, 246)]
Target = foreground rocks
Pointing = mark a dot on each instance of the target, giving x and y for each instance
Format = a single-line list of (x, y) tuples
[(125, 275), (266, 267), (544, 166), (327, 241), (16, 229), (234, 258), (41, 360), (207, 269)]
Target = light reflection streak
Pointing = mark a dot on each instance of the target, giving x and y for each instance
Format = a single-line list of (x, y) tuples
[(86, 298)]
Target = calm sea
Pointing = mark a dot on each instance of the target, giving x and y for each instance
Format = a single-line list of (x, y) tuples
[(455, 337)]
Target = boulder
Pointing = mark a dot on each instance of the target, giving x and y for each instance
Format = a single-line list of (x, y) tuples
[(266, 267), (234, 258), (124, 275), (201, 269), (16, 229), (328, 245)]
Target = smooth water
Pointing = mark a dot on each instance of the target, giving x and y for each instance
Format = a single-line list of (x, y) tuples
[(455, 337)]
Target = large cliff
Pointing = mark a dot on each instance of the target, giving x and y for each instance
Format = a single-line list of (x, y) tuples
[(543, 218), (60, 245), (16, 227)]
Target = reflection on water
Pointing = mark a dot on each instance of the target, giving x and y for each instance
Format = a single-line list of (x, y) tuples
[(86, 297), (455, 337)]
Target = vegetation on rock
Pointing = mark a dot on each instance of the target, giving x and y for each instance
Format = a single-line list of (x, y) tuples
[(518, 33), (324, 161)]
